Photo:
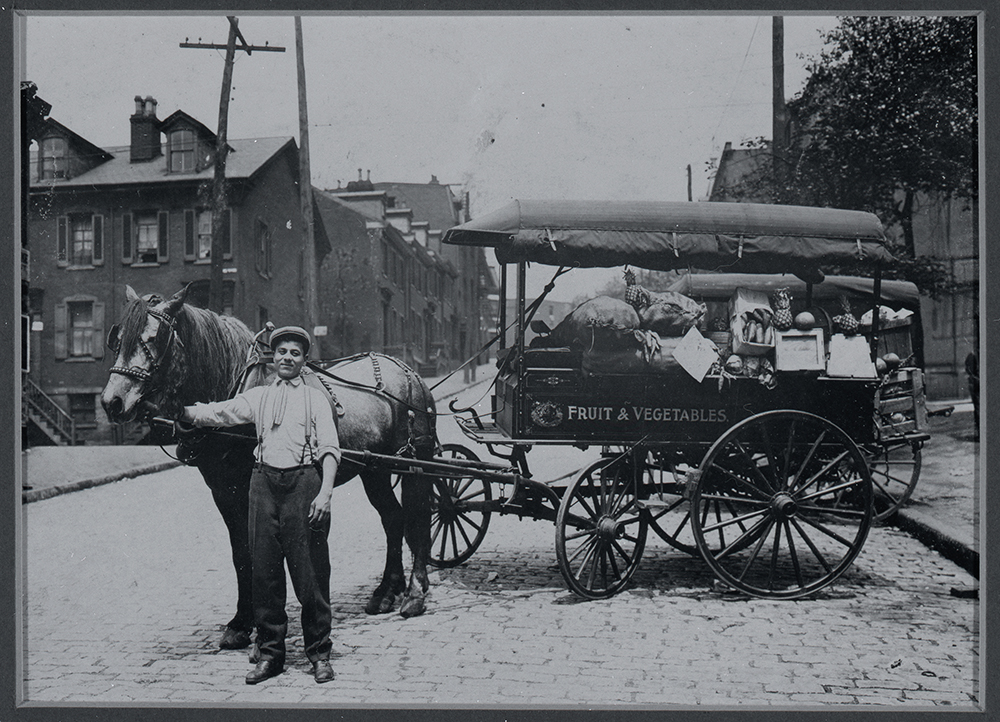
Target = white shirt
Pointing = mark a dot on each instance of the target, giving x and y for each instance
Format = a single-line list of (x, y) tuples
[(281, 427)]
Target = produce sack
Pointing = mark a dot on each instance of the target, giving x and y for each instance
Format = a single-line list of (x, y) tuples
[(669, 313), (600, 324)]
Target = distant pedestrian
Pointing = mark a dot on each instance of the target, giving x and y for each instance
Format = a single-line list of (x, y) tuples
[(972, 369), (289, 502)]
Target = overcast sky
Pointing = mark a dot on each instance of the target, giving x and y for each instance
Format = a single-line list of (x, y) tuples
[(530, 106)]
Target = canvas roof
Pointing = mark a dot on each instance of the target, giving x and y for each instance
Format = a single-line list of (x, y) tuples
[(744, 237)]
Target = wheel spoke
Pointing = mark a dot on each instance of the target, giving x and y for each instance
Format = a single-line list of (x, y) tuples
[(809, 456), (738, 543), (822, 472), (812, 547), (833, 511), (734, 520), (793, 554), (756, 549), (775, 548), (740, 480), (843, 486), (829, 532)]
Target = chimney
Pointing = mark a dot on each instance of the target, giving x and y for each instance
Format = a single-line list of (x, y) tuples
[(145, 131)]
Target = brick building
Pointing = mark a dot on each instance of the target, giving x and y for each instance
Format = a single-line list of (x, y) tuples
[(420, 301), (101, 218)]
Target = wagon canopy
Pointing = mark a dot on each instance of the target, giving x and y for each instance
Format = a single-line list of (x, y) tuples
[(735, 237)]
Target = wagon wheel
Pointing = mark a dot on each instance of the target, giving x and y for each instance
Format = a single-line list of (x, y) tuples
[(669, 513), (459, 511), (895, 468), (600, 530), (802, 490)]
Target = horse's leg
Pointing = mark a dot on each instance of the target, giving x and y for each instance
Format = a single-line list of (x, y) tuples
[(416, 494), (229, 480), (378, 487)]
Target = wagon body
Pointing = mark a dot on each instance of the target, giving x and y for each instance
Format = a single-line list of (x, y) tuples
[(766, 481)]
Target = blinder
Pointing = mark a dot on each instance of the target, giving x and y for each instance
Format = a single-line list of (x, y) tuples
[(114, 340), (161, 346)]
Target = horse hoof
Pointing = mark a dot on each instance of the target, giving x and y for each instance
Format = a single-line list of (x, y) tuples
[(380, 605), (234, 639), (412, 607)]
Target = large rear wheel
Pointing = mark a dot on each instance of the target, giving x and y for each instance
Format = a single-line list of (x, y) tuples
[(600, 529), (799, 492)]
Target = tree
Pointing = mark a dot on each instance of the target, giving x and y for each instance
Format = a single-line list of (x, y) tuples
[(889, 111)]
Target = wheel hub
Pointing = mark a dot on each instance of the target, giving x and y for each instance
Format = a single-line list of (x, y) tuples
[(784, 506), (607, 528)]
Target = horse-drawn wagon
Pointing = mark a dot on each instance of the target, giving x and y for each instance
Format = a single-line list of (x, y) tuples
[(723, 427), (764, 446)]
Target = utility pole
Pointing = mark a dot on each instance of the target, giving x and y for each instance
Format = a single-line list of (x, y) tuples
[(219, 204), (305, 191), (779, 115)]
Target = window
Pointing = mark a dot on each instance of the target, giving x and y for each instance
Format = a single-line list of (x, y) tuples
[(79, 329), (198, 234), (80, 240), (204, 249), (52, 159), (262, 242), (145, 237), (181, 146), (83, 410)]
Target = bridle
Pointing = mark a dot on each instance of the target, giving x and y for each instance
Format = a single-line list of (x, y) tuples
[(156, 357)]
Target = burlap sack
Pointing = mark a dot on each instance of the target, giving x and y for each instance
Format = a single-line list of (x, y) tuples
[(600, 324), (670, 314)]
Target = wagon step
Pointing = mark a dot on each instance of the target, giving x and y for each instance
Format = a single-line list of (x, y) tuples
[(655, 502)]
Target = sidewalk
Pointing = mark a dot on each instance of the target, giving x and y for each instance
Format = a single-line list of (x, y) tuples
[(943, 511), (945, 507)]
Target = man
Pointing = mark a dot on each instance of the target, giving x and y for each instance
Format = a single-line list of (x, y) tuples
[(289, 502)]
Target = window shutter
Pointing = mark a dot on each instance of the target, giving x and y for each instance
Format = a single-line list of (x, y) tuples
[(227, 233), (127, 238), (163, 237), (97, 339), (98, 239), (189, 235), (62, 233), (59, 330)]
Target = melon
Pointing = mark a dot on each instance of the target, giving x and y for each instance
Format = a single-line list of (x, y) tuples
[(805, 321)]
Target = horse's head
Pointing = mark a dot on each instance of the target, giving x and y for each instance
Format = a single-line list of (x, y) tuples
[(144, 345)]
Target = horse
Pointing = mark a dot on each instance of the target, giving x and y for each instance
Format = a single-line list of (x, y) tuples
[(169, 354)]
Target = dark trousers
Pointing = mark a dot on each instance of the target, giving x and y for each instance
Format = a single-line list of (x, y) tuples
[(280, 532)]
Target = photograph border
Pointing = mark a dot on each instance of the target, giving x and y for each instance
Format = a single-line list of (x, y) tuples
[(12, 546)]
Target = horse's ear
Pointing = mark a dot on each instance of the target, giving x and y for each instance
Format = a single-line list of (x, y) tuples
[(177, 300), (130, 295)]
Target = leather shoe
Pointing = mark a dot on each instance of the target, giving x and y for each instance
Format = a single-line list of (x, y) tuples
[(265, 669), (234, 639), (322, 670)]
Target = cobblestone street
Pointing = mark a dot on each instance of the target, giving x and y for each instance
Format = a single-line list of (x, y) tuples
[(128, 585)]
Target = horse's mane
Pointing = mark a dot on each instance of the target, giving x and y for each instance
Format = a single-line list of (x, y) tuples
[(205, 364), (214, 353)]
